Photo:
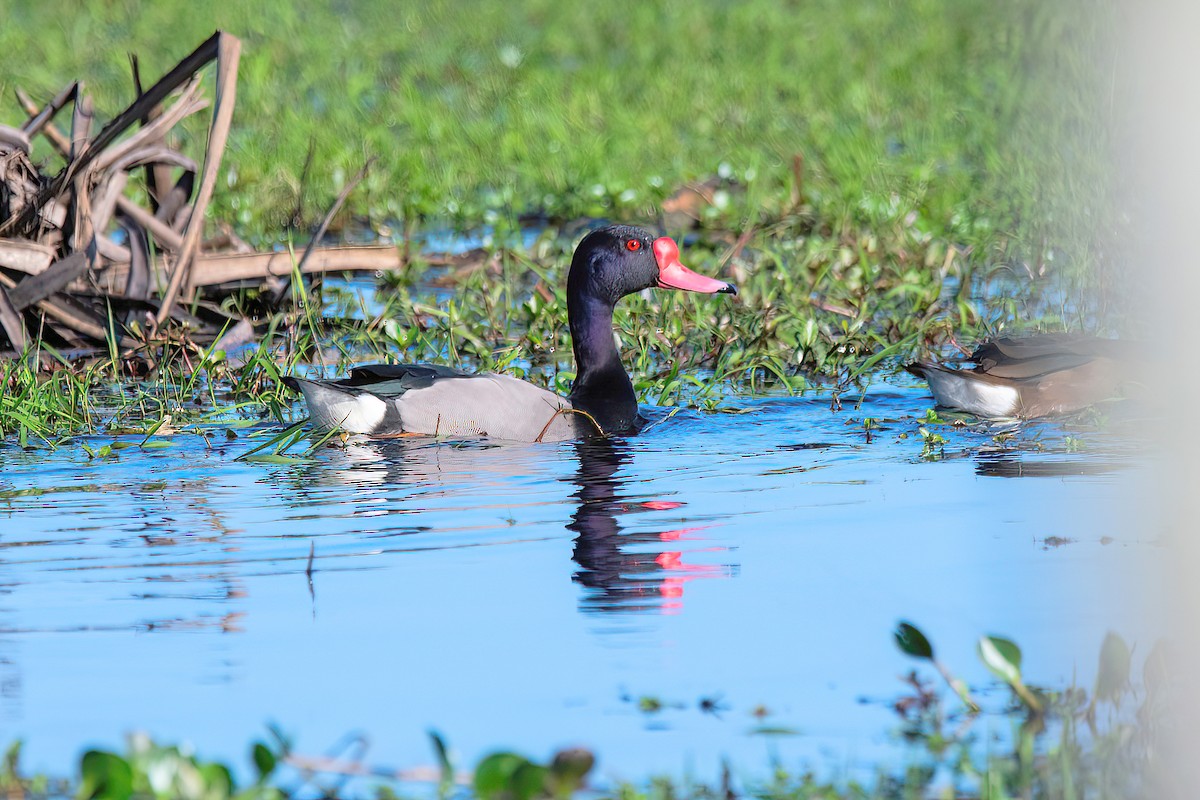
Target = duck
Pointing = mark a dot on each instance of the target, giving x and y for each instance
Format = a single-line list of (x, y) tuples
[(1032, 376), (391, 400)]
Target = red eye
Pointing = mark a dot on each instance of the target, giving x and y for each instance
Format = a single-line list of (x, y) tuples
[(633, 244)]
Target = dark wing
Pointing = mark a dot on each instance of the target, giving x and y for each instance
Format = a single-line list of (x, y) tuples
[(1030, 357), (417, 375), (391, 380), (387, 380)]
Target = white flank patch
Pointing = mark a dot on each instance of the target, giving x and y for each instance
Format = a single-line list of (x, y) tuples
[(971, 395), (332, 409)]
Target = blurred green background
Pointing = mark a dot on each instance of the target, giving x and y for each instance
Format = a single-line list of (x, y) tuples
[(972, 120)]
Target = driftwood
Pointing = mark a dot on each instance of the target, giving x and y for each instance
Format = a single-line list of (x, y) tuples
[(57, 231), (229, 269)]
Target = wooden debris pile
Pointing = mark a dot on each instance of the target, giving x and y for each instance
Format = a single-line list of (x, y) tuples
[(82, 262)]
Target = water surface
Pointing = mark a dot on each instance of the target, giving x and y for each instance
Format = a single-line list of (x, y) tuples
[(526, 596)]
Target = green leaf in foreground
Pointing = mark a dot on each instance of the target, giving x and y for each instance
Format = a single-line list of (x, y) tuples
[(912, 642), (275, 458), (528, 782), (1003, 658), (11, 771), (264, 760), (105, 776), (282, 441), (216, 780), (495, 773)]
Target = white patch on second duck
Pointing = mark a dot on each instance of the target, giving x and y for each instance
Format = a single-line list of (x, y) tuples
[(352, 413), (962, 391)]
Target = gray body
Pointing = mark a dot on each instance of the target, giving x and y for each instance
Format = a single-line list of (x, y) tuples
[(439, 401)]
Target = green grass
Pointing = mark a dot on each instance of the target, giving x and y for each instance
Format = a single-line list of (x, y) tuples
[(976, 119), (777, 336)]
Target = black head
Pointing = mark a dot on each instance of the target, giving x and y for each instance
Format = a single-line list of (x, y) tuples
[(612, 262), (622, 259), (609, 264)]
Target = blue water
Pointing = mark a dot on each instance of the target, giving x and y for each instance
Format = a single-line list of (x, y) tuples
[(524, 596)]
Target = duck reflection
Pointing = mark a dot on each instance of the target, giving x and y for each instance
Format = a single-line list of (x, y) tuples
[(625, 572), (1016, 464), (417, 487)]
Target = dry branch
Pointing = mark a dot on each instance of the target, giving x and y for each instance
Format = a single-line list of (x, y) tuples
[(10, 320), (43, 117), (46, 283), (228, 52), (155, 95), (25, 256), (164, 234), (212, 270)]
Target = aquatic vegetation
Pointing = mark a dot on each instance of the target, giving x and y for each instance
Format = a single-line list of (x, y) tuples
[(1047, 755), (912, 642), (1060, 745), (680, 350)]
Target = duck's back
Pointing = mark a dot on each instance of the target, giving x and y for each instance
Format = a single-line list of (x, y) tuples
[(487, 404)]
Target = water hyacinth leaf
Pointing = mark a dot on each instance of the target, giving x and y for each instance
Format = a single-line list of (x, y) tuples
[(217, 781), (1113, 674), (528, 781), (912, 642), (264, 760), (494, 774), (1002, 657), (104, 776)]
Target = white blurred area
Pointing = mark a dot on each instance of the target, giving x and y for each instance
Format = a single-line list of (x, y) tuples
[(1157, 105)]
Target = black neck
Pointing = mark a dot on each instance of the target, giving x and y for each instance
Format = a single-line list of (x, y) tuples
[(601, 388)]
